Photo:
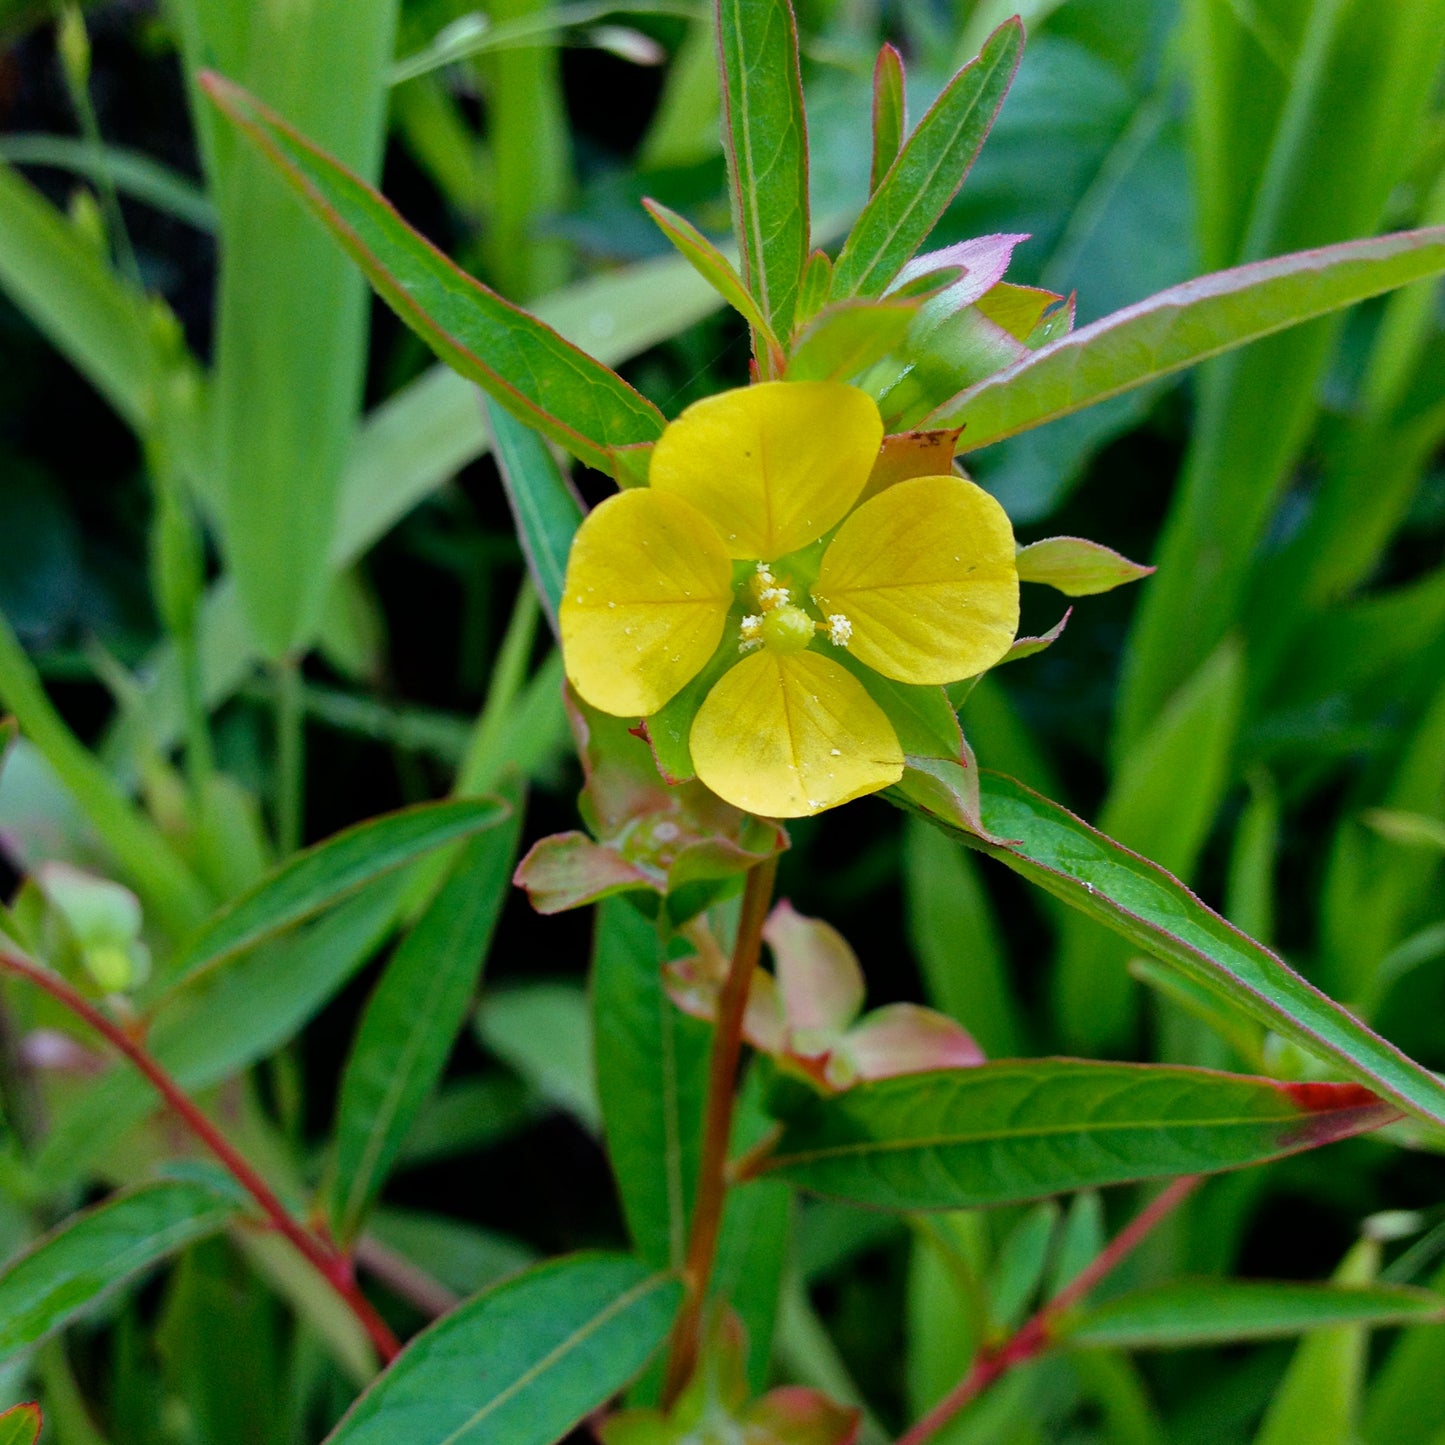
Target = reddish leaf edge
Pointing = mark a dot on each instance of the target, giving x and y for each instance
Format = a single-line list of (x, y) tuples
[(1173, 297), (1265, 1012), (235, 100)]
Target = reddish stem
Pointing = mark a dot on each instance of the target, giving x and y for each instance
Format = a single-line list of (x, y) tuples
[(1033, 1336), (712, 1180), (333, 1266)]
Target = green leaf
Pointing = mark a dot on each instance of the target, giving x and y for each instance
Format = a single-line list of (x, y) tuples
[(714, 268), (1405, 1405), (1318, 1400), (1224, 1311), (1156, 913), (765, 139), (1162, 803), (413, 1018), (461, 1256), (76, 1266), (20, 1425), (890, 113), (1077, 567), (848, 337), (544, 506), (541, 1030), (929, 169), (1006, 1132), (540, 378), (651, 1080), (1184, 325), (522, 1363), (325, 874), (70, 294), (133, 172)]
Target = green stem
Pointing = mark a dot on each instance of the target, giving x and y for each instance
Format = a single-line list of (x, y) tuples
[(290, 756), (712, 1174)]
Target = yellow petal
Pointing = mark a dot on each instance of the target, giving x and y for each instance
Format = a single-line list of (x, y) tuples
[(925, 574), (788, 734), (773, 466), (648, 588)]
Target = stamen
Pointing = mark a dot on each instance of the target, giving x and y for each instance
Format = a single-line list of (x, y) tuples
[(840, 630), (751, 629)]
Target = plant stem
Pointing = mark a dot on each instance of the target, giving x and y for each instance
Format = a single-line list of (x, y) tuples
[(712, 1181), (333, 1266), (1032, 1338), (290, 755)]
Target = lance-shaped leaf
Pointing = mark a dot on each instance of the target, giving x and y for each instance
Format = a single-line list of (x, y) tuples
[(413, 1019), (929, 169), (766, 141), (524, 364), (1159, 915), (1223, 1311), (890, 113), (1184, 325), (1006, 1132), (20, 1425), (74, 1268), (522, 1363), (325, 874), (1077, 567), (714, 268)]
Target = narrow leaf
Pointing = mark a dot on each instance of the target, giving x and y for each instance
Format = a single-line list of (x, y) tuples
[(1184, 325), (1077, 567), (413, 1018), (1159, 915), (713, 267), (890, 113), (765, 138), (76, 1266), (1218, 1312), (545, 508), (524, 364), (20, 1425), (929, 169), (524, 1362), (1006, 1132), (651, 1078), (329, 872)]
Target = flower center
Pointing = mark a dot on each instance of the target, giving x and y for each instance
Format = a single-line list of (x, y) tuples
[(786, 628), (780, 623)]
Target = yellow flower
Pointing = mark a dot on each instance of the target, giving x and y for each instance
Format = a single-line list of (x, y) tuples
[(750, 545)]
